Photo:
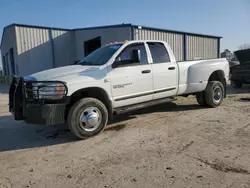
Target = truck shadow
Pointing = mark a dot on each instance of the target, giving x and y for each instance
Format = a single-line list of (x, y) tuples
[(17, 135), (166, 107)]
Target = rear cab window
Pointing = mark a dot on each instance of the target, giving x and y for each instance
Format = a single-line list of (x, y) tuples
[(158, 52)]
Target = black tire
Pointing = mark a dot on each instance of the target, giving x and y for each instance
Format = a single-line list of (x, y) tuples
[(76, 111), (200, 98), (210, 96)]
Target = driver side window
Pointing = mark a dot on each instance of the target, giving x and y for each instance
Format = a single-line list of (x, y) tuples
[(125, 56)]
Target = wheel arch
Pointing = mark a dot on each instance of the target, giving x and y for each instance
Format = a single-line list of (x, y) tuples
[(219, 75), (94, 92)]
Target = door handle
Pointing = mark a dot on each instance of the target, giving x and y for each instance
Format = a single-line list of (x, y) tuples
[(145, 71), (171, 68)]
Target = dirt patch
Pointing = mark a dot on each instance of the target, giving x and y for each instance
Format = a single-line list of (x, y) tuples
[(5, 183), (115, 127), (186, 146), (223, 167), (153, 147)]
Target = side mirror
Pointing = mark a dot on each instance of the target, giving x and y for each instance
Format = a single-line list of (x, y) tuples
[(135, 56)]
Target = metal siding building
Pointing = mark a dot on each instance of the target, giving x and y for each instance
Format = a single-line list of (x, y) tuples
[(28, 49)]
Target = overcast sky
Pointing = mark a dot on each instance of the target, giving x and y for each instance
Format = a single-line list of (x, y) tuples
[(227, 18)]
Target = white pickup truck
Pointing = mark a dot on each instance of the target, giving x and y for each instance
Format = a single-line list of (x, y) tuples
[(111, 80)]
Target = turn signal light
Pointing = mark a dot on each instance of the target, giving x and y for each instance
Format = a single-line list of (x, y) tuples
[(114, 42)]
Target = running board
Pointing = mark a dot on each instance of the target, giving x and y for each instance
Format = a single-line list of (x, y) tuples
[(133, 107)]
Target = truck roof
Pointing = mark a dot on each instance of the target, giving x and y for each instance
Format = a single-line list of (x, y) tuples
[(135, 41)]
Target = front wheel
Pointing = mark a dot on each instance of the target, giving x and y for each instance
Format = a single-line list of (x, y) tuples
[(87, 117), (214, 94)]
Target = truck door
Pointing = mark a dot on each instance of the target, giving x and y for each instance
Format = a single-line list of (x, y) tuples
[(165, 72), (131, 83)]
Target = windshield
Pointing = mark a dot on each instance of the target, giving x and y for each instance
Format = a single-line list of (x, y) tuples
[(100, 56)]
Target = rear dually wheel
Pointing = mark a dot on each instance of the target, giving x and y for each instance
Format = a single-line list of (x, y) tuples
[(214, 94)]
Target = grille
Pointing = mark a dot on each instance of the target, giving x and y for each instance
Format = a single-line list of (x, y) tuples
[(29, 90)]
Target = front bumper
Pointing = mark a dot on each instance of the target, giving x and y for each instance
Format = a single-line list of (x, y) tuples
[(34, 112)]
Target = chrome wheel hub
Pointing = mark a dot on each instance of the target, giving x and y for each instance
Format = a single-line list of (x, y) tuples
[(217, 94), (90, 119)]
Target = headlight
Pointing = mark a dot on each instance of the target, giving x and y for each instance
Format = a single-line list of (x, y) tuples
[(46, 90)]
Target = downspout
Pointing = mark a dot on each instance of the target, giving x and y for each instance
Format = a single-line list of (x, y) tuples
[(52, 48), (184, 47), (218, 48), (132, 33)]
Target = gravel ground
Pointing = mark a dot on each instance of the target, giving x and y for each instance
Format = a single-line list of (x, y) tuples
[(178, 145)]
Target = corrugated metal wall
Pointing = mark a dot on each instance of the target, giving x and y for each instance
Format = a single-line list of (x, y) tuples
[(35, 49), (175, 40), (196, 46), (64, 47), (206, 48), (107, 35)]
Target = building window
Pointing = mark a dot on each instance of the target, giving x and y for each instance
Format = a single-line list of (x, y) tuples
[(159, 52), (91, 45)]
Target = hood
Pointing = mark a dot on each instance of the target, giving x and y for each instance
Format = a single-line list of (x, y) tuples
[(56, 73), (243, 55)]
